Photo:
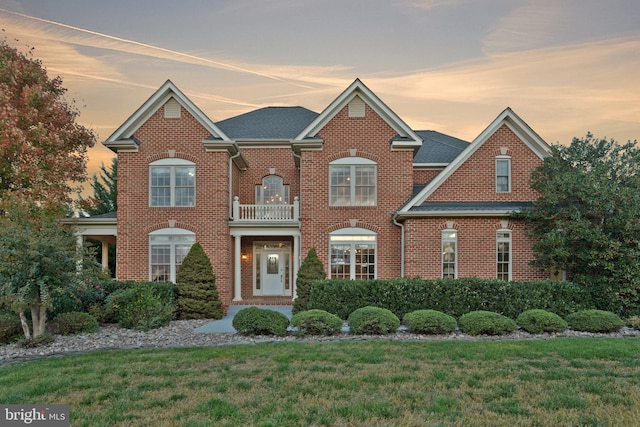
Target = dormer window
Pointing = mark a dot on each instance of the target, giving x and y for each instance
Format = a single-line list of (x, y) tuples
[(503, 174)]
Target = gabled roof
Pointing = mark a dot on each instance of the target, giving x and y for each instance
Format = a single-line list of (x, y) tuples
[(122, 137), (438, 148), (268, 123), (508, 118), (406, 137)]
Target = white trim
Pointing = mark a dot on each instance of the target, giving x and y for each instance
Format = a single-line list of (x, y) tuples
[(353, 236), (171, 164), (505, 240), (347, 161), (509, 185), (449, 239), (172, 161), (189, 238)]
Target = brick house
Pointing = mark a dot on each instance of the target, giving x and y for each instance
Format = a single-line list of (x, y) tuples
[(374, 197)]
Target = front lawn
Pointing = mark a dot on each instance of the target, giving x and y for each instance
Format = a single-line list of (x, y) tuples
[(566, 381)]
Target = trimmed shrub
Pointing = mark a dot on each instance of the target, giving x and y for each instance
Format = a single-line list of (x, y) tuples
[(310, 270), (634, 322), (452, 297), (73, 322), (429, 322), (316, 322), (538, 321), (373, 321), (10, 328), (258, 321), (145, 307), (594, 321), (197, 294), (486, 322)]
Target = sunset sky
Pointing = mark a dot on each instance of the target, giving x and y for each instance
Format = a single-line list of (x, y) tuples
[(565, 66)]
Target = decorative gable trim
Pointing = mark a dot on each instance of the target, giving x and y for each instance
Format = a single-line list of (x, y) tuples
[(407, 138), (509, 118), (168, 92)]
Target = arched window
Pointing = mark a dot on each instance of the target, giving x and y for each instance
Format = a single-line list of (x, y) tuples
[(353, 254), (172, 182), (167, 249), (272, 191), (352, 182)]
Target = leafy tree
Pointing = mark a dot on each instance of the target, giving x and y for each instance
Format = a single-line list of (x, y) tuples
[(196, 286), (42, 148), (105, 191), (38, 258), (310, 270), (587, 218)]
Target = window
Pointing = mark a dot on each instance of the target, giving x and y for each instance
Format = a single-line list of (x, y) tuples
[(272, 191), (352, 182), (167, 249), (503, 174), (504, 255), (172, 183), (353, 254), (449, 254)]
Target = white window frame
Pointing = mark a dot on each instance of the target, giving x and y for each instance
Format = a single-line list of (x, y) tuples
[(171, 164), (450, 236), (351, 237), (176, 240), (506, 159), (504, 236), (353, 163), (270, 183)]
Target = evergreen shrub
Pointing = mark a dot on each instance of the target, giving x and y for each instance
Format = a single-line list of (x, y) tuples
[(429, 322), (634, 322), (257, 321), (594, 321), (486, 322), (310, 270), (73, 322), (10, 328), (316, 322), (146, 305), (196, 287), (538, 321), (373, 321)]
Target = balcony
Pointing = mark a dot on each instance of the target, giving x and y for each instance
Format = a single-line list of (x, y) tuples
[(268, 215)]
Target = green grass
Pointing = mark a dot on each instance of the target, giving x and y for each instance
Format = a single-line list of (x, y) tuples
[(569, 381)]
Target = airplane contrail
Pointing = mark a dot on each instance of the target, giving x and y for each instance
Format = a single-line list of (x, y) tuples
[(157, 48)]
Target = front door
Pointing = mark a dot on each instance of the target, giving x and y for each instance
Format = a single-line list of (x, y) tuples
[(272, 269)]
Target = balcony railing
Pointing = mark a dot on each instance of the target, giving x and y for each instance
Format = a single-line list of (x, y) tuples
[(265, 213)]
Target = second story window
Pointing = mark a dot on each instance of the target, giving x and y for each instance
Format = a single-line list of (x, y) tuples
[(352, 182), (503, 174), (172, 182), (272, 191)]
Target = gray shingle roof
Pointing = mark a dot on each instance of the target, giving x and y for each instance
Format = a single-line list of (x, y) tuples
[(438, 147), (470, 206), (268, 123)]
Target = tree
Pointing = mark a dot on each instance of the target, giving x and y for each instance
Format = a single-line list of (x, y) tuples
[(310, 270), (196, 284), (38, 258), (105, 191), (42, 148), (587, 218)]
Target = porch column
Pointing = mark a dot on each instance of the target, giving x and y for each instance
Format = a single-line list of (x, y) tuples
[(296, 263), (237, 275), (105, 256)]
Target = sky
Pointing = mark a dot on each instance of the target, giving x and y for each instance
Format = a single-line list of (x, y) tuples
[(566, 67)]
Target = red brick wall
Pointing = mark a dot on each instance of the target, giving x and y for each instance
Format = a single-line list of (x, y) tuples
[(370, 136), (475, 179), (476, 248), (422, 176), (260, 161), (208, 219)]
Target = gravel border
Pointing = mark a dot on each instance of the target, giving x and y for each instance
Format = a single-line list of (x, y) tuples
[(180, 333)]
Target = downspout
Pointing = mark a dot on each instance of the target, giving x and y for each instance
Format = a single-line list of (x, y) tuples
[(231, 182), (298, 255), (401, 225)]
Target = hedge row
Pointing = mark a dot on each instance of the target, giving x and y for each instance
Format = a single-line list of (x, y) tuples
[(453, 297)]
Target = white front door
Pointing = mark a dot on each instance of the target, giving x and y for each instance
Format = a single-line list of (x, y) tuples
[(272, 276)]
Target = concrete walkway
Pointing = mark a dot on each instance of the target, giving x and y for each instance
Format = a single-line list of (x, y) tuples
[(224, 325)]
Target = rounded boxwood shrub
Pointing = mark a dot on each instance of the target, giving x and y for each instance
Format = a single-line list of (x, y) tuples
[(539, 321), (74, 322), (10, 328), (486, 322), (373, 321), (316, 322), (429, 322), (594, 321), (258, 321)]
